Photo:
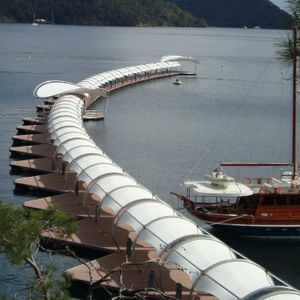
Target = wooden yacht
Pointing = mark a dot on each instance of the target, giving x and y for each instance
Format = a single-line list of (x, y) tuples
[(258, 207)]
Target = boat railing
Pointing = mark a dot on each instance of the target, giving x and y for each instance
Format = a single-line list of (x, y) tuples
[(257, 181)]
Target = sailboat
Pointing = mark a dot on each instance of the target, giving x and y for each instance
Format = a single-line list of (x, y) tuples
[(255, 207), (34, 23)]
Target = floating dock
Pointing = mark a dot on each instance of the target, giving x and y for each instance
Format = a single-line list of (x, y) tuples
[(117, 215)]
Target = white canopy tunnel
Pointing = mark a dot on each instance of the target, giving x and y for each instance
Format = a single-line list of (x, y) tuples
[(56, 134), (66, 136), (62, 117), (230, 279), (124, 73), (179, 58), (68, 99), (64, 124), (74, 155), (121, 196), (67, 145), (140, 212), (71, 113), (104, 184), (176, 58), (67, 102), (87, 175), (160, 232), (67, 107), (195, 254), (86, 161), (278, 293)]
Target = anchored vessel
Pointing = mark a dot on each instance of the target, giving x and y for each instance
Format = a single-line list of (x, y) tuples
[(261, 206)]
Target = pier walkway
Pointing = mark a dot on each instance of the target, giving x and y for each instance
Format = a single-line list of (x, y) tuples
[(116, 214)]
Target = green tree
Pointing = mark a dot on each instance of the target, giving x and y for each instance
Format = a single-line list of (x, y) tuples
[(287, 50), (20, 242)]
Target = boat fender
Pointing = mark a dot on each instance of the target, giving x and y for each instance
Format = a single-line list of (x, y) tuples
[(247, 180), (262, 192)]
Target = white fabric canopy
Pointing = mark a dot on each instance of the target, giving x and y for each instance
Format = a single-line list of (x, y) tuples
[(141, 212), (211, 265), (121, 196), (231, 279), (105, 184), (160, 232), (197, 253)]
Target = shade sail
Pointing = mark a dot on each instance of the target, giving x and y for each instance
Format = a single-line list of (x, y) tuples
[(90, 173), (197, 253), (169, 58), (139, 213), (160, 233), (52, 88), (105, 184), (85, 161), (67, 145), (70, 135), (73, 155), (282, 295), (121, 196), (65, 123), (72, 128), (67, 113), (230, 279)]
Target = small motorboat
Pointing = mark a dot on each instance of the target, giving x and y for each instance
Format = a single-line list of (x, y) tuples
[(177, 82)]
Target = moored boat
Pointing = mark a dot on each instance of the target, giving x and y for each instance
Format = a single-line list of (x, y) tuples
[(177, 82), (258, 207)]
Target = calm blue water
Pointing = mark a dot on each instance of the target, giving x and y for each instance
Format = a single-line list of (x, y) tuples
[(236, 109)]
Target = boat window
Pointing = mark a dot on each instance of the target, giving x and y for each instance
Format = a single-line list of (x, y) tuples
[(268, 200), (281, 201), (294, 200)]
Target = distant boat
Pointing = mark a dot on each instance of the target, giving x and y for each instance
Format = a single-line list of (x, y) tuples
[(37, 21), (254, 206), (34, 23), (177, 82)]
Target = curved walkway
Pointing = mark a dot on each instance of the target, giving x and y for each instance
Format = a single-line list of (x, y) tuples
[(122, 216)]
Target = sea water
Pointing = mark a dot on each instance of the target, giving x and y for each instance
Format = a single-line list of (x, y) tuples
[(237, 108)]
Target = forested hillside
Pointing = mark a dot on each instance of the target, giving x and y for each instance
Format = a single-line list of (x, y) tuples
[(100, 12), (237, 13), (185, 13)]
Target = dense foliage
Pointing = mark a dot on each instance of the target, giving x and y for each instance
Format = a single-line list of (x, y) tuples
[(100, 12), (219, 13), (20, 242), (237, 13)]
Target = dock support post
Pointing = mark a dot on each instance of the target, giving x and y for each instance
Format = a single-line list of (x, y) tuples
[(128, 247), (178, 291), (151, 277)]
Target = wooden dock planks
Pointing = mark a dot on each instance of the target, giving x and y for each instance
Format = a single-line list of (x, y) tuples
[(32, 141)]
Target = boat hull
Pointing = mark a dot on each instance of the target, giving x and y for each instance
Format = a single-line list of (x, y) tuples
[(268, 221), (259, 230)]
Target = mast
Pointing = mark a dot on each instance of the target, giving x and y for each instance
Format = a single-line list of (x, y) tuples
[(294, 129)]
